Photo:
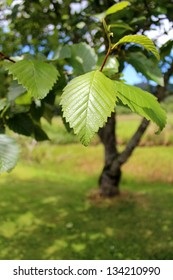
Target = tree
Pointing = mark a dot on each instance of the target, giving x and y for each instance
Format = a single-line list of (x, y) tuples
[(59, 26)]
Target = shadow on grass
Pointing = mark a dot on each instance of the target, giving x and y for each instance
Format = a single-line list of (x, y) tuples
[(57, 219)]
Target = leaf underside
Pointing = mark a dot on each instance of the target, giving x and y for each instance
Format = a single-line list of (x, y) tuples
[(8, 153), (36, 76), (142, 103), (87, 102)]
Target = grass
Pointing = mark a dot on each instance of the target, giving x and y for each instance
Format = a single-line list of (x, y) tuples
[(126, 126), (49, 210)]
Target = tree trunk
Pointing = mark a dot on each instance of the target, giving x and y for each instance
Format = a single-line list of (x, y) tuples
[(111, 174), (109, 179)]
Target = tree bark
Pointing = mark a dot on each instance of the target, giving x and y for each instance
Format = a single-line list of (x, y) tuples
[(111, 174), (133, 142), (109, 179)]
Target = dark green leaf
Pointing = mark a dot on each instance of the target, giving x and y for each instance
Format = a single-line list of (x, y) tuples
[(166, 49), (36, 111), (21, 124), (146, 66), (39, 133)]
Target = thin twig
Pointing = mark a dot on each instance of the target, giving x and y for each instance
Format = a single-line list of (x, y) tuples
[(105, 59), (3, 56)]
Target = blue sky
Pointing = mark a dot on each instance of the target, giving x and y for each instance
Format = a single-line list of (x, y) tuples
[(130, 75)]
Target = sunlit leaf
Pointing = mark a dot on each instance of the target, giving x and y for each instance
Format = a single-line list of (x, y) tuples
[(141, 102), (9, 2), (37, 77), (112, 10), (24, 99), (87, 102), (141, 40), (117, 7)]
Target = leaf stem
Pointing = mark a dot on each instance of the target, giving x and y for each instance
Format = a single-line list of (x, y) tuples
[(3, 56), (105, 59)]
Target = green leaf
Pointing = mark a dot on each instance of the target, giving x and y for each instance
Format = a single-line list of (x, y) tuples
[(62, 52), (83, 58), (87, 102), (37, 77), (121, 25), (9, 2), (166, 49), (141, 40), (2, 126), (117, 7), (141, 102), (21, 123), (39, 133), (36, 110), (3, 103), (24, 99), (111, 67), (112, 10), (9, 152), (146, 66), (138, 20), (15, 90), (99, 16), (65, 52)]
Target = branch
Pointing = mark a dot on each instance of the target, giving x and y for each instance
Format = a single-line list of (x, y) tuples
[(133, 142), (105, 59), (3, 56), (168, 74)]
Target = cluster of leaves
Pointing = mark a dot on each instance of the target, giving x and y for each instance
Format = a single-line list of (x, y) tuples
[(88, 99)]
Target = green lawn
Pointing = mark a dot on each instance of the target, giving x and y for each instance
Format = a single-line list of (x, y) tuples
[(48, 209), (126, 126)]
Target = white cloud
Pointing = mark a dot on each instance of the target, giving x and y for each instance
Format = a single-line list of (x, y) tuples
[(161, 34)]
